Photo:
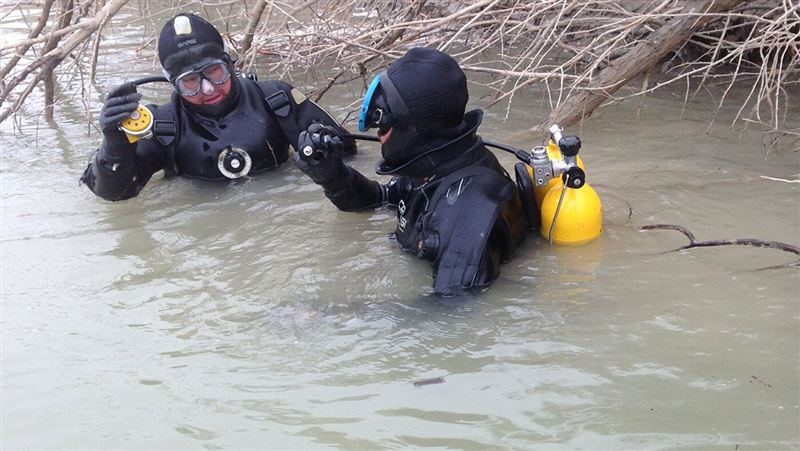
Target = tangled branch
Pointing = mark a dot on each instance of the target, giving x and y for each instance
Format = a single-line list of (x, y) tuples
[(73, 17), (579, 53)]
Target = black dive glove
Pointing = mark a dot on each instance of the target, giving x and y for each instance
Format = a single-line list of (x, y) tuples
[(319, 154), (120, 103)]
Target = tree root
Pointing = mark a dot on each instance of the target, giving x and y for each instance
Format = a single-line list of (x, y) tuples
[(737, 242)]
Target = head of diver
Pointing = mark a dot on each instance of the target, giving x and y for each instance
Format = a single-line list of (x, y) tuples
[(418, 107), (195, 60)]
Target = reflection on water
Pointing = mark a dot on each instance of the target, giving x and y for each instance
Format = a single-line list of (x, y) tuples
[(253, 314)]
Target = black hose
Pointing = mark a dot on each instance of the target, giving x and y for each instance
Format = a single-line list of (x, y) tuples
[(521, 155), (564, 189), (151, 79), (502, 146), (360, 137)]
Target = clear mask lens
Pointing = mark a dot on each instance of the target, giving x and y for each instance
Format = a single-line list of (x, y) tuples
[(189, 83)]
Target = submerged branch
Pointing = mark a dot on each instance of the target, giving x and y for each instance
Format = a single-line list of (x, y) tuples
[(734, 242)]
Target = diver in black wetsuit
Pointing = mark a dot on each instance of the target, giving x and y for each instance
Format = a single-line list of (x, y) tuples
[(456, 205), (218, 125)]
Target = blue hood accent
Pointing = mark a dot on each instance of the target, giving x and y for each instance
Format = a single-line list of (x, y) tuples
[(362, 115)]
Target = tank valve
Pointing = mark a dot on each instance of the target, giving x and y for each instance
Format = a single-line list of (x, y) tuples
[(542, 168), (545, 167)]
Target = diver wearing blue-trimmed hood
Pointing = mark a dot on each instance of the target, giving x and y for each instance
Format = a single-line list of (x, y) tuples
[(418, 106), (456, 206)]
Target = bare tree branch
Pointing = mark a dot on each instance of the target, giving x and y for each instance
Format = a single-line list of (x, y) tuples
[(53, 57), (22, 48), (637, 60), (578, 54)]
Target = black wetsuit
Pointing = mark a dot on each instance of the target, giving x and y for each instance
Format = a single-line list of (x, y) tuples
[(188, 143), (466, 218)]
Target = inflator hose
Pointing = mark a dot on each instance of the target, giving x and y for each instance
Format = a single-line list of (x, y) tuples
[(522, 155)]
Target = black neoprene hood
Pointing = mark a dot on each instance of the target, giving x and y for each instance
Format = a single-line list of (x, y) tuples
[(432, 86), (425, 91), (188, 42)]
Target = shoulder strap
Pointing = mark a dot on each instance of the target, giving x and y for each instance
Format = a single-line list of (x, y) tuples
[(294, 112), (277, 99), (278, 102), (164, 132)]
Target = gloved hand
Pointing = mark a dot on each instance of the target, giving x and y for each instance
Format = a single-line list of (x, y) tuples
[(318, 142), (120, 103), (319, 154)]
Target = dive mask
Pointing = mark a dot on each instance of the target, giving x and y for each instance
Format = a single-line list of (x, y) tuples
[(188, 84), (375, 111)]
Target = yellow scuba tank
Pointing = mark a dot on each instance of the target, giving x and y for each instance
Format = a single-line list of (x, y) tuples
[(139, 125), (571, 215), (580, 218)]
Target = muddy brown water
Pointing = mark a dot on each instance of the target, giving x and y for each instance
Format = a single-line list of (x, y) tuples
[(253, 314)]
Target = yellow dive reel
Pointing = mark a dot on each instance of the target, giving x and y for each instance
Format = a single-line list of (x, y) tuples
[(139, 125)]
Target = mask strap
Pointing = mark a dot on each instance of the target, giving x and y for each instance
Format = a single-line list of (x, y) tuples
[(399, 107)]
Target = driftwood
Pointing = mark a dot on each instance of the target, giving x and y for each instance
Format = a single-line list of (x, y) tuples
[(429, 381), (636, 61), (735, 242)]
